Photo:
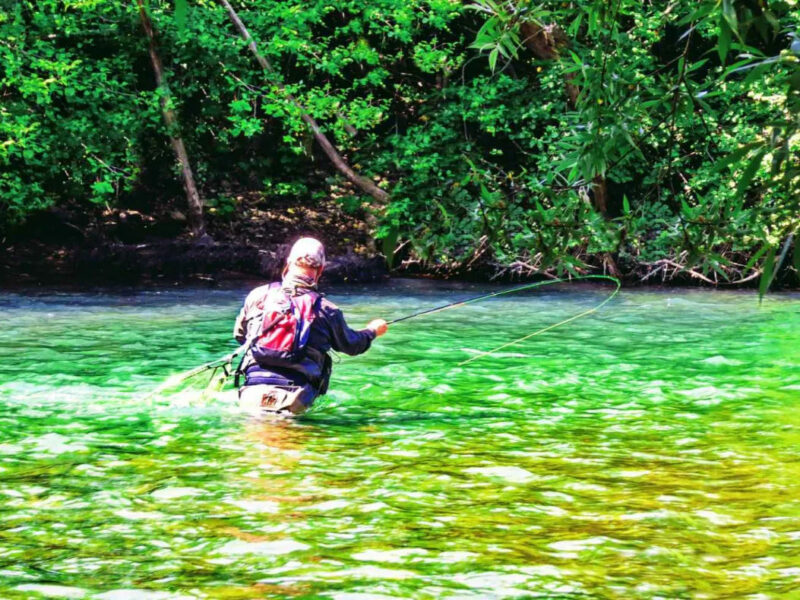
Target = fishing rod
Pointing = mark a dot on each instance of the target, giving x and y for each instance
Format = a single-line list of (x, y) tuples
[(560, 323), (225, 362), (430, 311), (528, 286), (520, 288)]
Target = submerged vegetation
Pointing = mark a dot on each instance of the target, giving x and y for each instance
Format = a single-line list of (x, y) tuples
[(649, 139)]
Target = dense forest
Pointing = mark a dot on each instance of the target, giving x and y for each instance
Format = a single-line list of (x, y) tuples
[(653, 139)]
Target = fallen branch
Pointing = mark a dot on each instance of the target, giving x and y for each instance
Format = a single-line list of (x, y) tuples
[(665, 262), (750, 277), (364, 184), (193, 200)]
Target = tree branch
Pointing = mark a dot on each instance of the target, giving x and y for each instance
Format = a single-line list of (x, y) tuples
[(364, 184)]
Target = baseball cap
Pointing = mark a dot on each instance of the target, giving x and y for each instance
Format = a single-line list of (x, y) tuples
[(307, 252)]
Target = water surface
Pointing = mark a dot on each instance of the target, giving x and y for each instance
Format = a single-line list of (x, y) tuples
[(650, 450)]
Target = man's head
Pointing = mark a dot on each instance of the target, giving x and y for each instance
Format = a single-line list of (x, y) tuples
[(307, 257)]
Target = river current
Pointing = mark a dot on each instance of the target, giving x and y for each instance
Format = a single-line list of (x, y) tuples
[(650, 450)]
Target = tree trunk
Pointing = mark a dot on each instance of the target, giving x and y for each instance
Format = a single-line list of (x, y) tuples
[(364, 184), (195, 204), (546, 43), (600, 194)]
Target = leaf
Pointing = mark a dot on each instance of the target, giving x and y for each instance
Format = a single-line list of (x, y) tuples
[(493, 59), (697, 65), (766, 274), (389, 244), (739, 65), (734, 156), (509, 44), (540, 210), (723, 40), (487, 35), (754, 259), (784, 251), (703, 11), (181, 12), (102, 187), (685, 34), (771, 266), (750, 172), (796, 257), (729, 14), (757, 73), (718, 258), (626, 207), (575, 26)]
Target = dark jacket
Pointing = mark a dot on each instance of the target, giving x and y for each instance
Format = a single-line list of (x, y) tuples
[(328, 331)]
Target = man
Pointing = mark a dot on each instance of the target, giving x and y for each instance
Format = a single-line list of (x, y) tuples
[(289, 329)]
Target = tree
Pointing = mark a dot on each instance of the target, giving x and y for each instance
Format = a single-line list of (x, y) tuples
[(194, 203), (328, 148)]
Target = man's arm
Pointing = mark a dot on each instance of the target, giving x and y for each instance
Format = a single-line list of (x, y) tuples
[(240, 327), (344, 339), (248, 311)]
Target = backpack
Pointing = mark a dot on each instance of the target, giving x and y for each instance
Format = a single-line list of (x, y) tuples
[(282, 337)]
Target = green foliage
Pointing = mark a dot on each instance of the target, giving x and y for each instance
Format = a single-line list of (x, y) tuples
[(69, 115), (222, 206), (665, 135), (699, 157)]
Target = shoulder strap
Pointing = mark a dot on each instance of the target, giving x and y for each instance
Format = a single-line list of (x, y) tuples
[(259, 305), (308, 304)]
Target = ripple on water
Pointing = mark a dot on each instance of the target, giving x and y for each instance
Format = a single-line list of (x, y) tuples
[(648, 451)]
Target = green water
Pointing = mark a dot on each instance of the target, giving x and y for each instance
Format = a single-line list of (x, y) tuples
[(651, 450)]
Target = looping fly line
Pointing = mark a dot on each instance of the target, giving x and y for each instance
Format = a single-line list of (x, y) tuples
[(225, 363), (520, 288)]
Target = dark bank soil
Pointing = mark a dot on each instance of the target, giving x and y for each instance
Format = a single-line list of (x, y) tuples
[(250, 239), (128, 247)]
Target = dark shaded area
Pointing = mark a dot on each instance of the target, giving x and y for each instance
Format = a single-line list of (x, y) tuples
[(169, 261)]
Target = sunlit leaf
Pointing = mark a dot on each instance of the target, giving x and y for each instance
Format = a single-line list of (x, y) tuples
[(749, 172), (389, 244)]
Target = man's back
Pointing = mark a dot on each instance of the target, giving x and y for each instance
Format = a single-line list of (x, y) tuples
[(328, 330), (286, 380)]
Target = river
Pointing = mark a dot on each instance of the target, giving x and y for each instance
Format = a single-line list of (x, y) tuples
[(649, 450)]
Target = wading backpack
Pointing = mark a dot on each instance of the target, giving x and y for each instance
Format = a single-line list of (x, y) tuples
[(286, 320)]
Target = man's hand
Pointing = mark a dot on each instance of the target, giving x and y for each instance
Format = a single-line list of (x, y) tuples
[(379, 326)]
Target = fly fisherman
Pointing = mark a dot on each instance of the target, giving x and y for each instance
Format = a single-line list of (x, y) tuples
[(289, 328)]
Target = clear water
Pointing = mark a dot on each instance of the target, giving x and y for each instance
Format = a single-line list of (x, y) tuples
[(651, 450)]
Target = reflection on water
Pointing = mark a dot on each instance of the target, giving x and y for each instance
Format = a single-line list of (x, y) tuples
[(652, 450)]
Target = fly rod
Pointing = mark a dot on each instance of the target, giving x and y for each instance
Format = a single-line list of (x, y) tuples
[(225, 362), (520, 288)]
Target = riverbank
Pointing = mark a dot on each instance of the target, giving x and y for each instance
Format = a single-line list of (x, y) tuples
[(132, 248), (167, 262), (184, 261)]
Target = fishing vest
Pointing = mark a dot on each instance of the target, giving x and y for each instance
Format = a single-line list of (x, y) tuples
[(280, 338)]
